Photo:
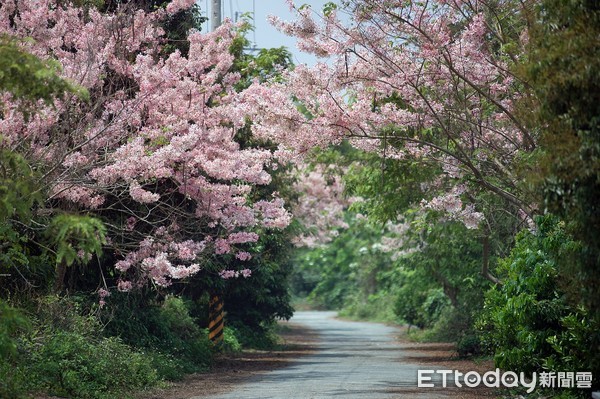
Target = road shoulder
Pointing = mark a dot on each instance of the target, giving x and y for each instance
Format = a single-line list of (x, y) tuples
[(441, 355), (231, 370)]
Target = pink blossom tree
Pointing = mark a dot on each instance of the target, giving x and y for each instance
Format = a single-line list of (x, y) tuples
[(425, 81), (152, 153), (429, 82)]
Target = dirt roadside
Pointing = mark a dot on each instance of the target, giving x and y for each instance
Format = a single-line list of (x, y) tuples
[(231, 370), (439, 355)]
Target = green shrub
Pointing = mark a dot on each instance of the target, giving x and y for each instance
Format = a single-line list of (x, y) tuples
[(176, 315), (62, 313), (434, 306), (376, 307), (63, 352), (263, 338), (468, 345), (70, 364), (528, 322), (13, 380), (167, 366), (181, 337), (177, 343), (11, 321), (421, 307), (230, 340), (408, 304)]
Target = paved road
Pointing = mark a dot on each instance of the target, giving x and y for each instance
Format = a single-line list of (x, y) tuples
[(353, 360)]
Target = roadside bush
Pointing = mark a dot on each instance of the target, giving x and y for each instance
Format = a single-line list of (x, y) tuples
[(230, 340), (60, 350), (13, 379), (434, 306), (12, 322), (376, 307), (528, 322), (175, 314), (263, 338), (70, 364), (181, 336), (421, 307), (166, 330), (468, 345), (408, 304)]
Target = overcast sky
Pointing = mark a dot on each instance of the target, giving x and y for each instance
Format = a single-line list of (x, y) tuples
[(265, 35)]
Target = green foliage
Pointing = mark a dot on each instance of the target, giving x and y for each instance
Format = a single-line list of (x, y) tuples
[(13, 381), (30, 79), (375, 307), (389, 187), (175, 339), (410, 297), (442, 286), (527, 321), (18, 193), (63, 352), (11, 321), (469, 344), (265, 65), (178, 26), (71, 234), (329, 7), (263, 338), (418, 307), (348, 266), (74, 365), (18, 196), (230, 340), (563, 69), (175, 314)]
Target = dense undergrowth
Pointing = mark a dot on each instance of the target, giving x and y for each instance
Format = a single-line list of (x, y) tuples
[(60, 346)]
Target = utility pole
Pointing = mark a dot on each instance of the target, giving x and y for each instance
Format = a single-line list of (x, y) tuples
[(216, 17)]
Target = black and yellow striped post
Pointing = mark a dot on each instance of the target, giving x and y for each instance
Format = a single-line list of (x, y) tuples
[(215, 322)]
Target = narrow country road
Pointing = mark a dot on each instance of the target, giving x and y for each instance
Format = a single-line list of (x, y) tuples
[(351, 360)]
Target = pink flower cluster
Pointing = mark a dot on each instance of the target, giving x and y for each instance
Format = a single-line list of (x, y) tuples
[(167, 138), (229, 274), (321, 205), (419, 81), (178, 5), (102, 293), (452, 205)]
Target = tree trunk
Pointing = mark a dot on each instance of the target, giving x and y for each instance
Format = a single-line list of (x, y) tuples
[(59, 281)]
